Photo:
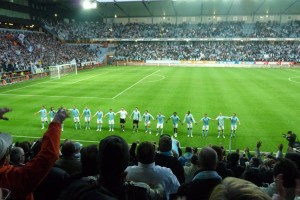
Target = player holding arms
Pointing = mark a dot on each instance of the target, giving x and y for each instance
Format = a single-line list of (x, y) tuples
[(44, 118), (147, 117), (87, 117), (52, 113), (99, 114), (111, 119), (160, 124), (75, 113), (136, 116), (189, 119), (221, 123), (175, 120), (123, 114), (205, 127), (234, 120)]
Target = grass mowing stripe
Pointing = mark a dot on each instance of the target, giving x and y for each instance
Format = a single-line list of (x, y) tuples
[(265, 101)]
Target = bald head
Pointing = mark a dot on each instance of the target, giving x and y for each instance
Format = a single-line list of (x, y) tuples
[(208, 159)]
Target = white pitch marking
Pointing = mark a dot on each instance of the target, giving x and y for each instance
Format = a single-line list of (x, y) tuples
[(161, 78), (135, 84), (291, 79)]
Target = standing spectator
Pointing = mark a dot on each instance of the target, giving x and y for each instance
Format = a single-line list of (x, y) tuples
[(149, 173), (112, 184), (22, 181), (205, 180), (189, 119), (68, 161), (44, 118), (123, 114), (147, 117), (17, 157), (164, 157), (189, 171)]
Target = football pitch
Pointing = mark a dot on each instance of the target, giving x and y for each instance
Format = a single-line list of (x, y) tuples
[(267, 102)]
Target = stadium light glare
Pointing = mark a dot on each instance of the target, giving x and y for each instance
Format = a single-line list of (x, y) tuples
[(88, 4)]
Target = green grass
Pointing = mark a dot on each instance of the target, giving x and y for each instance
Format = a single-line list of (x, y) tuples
[(265, 100)]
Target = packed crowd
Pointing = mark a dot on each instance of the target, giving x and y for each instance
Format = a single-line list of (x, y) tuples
[(78, 30), (22, 51), (47, 169), (210, 51)]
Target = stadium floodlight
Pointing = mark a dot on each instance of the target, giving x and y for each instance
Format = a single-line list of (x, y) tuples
[(89, 4)]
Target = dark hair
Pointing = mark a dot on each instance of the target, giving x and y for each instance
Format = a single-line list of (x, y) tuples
[(68, 149), (113, 156), (146, 153), (289, 170), (90, 160), (165, 143)]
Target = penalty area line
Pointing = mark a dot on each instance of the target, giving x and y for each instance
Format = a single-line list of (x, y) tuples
[(135, 84)]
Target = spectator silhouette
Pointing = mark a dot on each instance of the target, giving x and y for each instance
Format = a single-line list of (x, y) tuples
[(164, 157), (205, 179)]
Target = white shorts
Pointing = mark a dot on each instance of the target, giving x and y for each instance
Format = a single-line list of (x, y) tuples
[(220, 128), (160, 126), (205, 127), (233, 127), (189, 125), (111, 121), (87, 119), (76, 119), (44, 119), (99, 121), (175, 125), (147, 123)]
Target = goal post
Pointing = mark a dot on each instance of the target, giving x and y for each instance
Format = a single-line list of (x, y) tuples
[(58, 71)]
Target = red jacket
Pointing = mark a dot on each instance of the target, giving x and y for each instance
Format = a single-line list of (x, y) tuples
[(22, 181)]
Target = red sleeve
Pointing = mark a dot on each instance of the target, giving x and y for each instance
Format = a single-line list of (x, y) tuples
[(25, 179)]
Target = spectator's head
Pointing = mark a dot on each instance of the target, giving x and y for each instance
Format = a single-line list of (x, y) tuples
[(146, 153), (165, 143), (208, 159), (17, 156), (68, 149), (113, 160), (78, 147), (5, 146), (289, 170), (219, 152), (295, 157), (255, 162), (237, 189), (233, 158), (90, 160), (26, 146)]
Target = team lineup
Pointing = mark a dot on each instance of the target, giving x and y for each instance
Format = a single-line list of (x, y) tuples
[(137, 117)]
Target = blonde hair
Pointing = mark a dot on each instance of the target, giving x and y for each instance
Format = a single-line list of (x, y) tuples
[(237, 189)]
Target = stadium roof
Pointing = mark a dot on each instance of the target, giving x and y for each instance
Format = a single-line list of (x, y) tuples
[(159, 8)]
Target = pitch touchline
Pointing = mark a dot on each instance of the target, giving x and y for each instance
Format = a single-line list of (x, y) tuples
[(36, 95), (134, 84)]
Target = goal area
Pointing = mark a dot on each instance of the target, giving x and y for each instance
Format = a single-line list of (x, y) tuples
[(58, 71)]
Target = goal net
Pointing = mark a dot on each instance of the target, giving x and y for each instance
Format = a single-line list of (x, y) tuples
[(61, 70)]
